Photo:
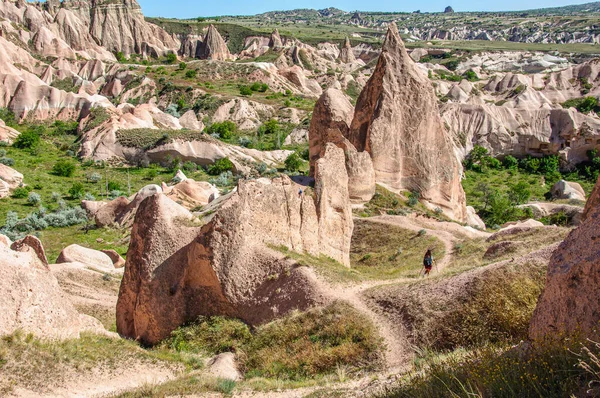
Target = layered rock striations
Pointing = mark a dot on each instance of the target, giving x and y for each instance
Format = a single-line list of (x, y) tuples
[(178, 269)]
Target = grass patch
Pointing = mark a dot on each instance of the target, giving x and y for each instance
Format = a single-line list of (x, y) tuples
[(382, 251), (547, 370), (151, 138), (27, 361), (297, 347)]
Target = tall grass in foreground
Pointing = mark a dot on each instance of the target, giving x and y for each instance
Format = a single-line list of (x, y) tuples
[(547, 370)]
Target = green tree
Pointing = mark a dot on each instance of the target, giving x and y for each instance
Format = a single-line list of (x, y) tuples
[(224, 130), (76, 191), (519, 193), (182, 65)]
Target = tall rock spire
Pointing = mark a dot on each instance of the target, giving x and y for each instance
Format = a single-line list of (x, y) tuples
[(213, 46), (346, 54), (397, 121)]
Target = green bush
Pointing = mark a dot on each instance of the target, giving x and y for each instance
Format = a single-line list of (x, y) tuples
[(182, 65), (260, 87), (413, 198), (510, 162), (220, 166), (171, 58), (224, 130), (27, 140), (269, 127), (20, 193), (76, 191), (120, 57), (113, 186), (64, 168), (190, 74), (293, 162), (245, 90), (471, 76)]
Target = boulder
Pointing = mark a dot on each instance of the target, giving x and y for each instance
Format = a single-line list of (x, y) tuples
[(190, 193), (92, 207), (516, 227), (180, 176), (224, 366), (473, 218), (178, 268), (569, 304), (89, 257), (112, 212), (4, 189), (11, 176), (31, 244), (7, 134), (32, 301), (568, 190), (298, 136), (398, 123), (189, 121), (117, 260), (330, 123)]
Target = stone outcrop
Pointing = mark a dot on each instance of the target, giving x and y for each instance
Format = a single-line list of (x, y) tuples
[(347, 54), (178, 269), (569, 304), (31, 244), (213, 46), (330, 123), (397, 121), (593, 201), (275, 42), (31, 299), (89, 257), (568, 190), (120, 26), (7, 134), (11, 176)]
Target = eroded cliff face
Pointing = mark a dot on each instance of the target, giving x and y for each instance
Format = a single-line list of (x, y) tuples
[(397, 121), (569, 305), (178, 269)]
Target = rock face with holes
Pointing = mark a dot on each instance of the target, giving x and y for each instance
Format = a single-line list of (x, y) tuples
[(569, 303), (179, 267), (31, 299)]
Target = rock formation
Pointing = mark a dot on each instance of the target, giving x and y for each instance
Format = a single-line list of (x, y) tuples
[(593, 201), (213, 46), (347, 54), (569, 304), (448, 10), (397, 121), (567, 190), (31, 299), (178, 269), (275, 42), (330, 123), (89, 257)]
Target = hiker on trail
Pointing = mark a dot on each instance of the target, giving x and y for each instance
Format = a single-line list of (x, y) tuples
[(428, 262), (300, 193)]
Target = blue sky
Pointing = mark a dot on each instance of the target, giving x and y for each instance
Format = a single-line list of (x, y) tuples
[(189, 9)]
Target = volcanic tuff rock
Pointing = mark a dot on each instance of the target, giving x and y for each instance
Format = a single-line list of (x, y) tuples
[(570, 303), (347, 54), (178, 269), (275, 40), (593, 201), (567, 190), (397, 121), (31, 299), (90, 257), (330, 123), (213, 46)]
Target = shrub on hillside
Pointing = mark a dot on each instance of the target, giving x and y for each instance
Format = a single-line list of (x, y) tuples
[(222, 165), (224, 130), (245, 90), (76, 191), (293, 162), (34, 198), (20, 193), (64, 168), (27, 140)]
